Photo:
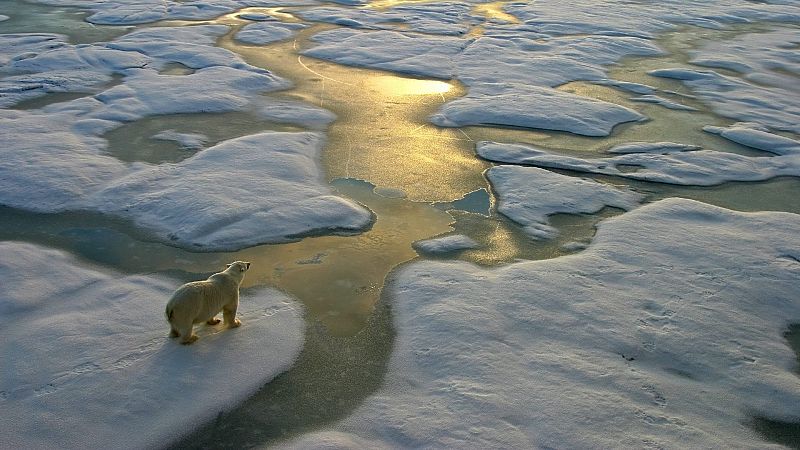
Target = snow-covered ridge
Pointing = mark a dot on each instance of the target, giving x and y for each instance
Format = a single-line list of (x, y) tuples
[(87, 362)]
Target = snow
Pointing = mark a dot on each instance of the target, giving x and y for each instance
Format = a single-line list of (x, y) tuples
[(444, 245), (738, 99), (642, 340), (293, 112), (754, 136), (87, 360), (636, 88), (651, 147), (534, 107), (191, 46), (760, 57), (267, 32), (528, 195), (451, 18), (509, 79), (225, 197), (655, 99), (696, 168), (255, 189)]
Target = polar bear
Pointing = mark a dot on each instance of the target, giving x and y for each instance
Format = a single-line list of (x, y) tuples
[(200, 301)]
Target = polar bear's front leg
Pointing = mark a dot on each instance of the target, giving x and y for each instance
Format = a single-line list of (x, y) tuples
[(229, 314), (187, 335)]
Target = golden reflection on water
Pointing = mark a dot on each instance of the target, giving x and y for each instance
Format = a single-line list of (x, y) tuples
[(339, 278), (394, 86), (381, 133)]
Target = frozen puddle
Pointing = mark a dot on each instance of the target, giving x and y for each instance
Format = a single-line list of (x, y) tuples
[(87, 361)]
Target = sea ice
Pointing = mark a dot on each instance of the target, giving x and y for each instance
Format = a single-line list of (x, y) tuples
[(528, 195), (450, 18), (255, 189), (665, 332), (752, 135), (698, 168), (226, 197), (263, 33), (652, 147), (87, 361), (767, 56), (293, 112), (655, 99), (269, 189), (444, 245), (534, 107), (738, 99)]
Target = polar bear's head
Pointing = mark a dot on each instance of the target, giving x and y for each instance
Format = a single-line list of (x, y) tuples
[(238, 267)]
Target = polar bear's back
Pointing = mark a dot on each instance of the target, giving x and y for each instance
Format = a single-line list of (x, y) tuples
[(201, 300)]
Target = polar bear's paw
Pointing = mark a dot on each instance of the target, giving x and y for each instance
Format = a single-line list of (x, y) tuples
[(235, 324), (212, 321), (173, 333), (190, 339)]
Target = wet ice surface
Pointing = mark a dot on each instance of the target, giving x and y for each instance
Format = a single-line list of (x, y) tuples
[(87, 361), (617, 346), (667, 329)]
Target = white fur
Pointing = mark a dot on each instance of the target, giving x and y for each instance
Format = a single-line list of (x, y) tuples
[(200, 301)]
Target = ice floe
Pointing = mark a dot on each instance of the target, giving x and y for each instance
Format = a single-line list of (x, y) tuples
[(767, 58), (738, 99), (697, 168), (225, 197), (87, 361), (665, 332), (655, 99), (651, 147), (270, 189), (263, 33), (752, 135), (190, 141), (261, 188), (534, 107), (509, 79), (528, 195), (446, 244), (293, 112), (450, 18)]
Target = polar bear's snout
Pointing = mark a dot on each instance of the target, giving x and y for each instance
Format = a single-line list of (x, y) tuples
[(201, 301)]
